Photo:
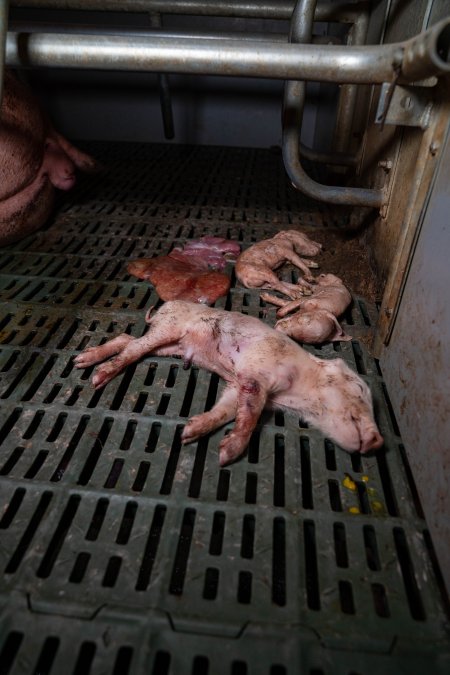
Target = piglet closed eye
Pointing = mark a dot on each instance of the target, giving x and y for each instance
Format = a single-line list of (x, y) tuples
[(262, 368)]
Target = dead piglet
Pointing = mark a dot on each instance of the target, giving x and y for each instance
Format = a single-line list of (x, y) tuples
[(328, 293), (315, 318), (261, 367), (34, 159), (313, 327), (254, 267)]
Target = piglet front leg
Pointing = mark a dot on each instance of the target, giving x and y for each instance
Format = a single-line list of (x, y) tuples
[(286, 306), (251, 400), (224, 411)]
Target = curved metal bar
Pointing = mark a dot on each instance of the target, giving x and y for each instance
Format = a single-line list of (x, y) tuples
[(301, 32), (419, 55), (349, 92), (293, 106), (333, 158), (422, 55), (299, 178)]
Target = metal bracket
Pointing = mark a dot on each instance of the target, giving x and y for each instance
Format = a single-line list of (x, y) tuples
[(408, 106)]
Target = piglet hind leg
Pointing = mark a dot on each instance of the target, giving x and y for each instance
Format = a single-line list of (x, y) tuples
[(91, 355), (220, 414), (127, 350), (294, 291), (302, 263), (251, 400)]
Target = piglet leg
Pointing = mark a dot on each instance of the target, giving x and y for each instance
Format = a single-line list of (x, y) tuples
[(285, 306), (291, 290), (301, 263), (128, 350), (220, 414), (250, 403), (272, 299), (289, 307), (98, 354)]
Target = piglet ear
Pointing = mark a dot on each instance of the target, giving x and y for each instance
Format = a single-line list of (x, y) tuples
[(339, 333)]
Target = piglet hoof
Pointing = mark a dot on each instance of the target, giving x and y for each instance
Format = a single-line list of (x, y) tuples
[(87, 358), (230, 448), (102, 376), (192, 431)]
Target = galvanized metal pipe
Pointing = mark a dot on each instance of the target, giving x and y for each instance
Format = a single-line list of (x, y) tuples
[(301, 32), (132, 31), (293, 105), (349, 92), (295, 171), (343, 10), (3, 31), (422, 55), (327, 63)]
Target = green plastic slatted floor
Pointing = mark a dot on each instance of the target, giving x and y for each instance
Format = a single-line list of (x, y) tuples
[(123, 551)]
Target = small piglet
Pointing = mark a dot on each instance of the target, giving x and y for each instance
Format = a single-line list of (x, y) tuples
[(262, 368), (254, 267), (329, 293), (315, 318), (34, 160), (313, 328)]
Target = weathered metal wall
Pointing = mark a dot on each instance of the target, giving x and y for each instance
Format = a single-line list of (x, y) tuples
[(416, 364), (401, 155)]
